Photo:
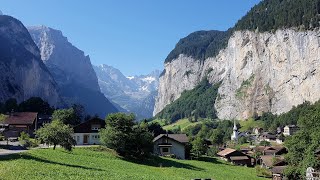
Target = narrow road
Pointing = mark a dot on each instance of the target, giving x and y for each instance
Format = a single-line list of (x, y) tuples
[(4, 152)]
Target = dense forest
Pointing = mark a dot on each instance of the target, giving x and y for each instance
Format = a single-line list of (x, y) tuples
[(271, 15), (200, 45), (195, 103), (268, 15)]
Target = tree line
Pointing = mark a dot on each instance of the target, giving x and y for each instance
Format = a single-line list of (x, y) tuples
[(270, 15), (192, 104)]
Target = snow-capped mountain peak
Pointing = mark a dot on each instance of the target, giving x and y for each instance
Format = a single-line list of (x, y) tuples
[(129, 92)]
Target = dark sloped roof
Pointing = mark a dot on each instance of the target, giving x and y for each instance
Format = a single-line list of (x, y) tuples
[(270, 160), (86, 126), (270, 149), (21, 118), (182, 138), (237, 158), (278, 169)]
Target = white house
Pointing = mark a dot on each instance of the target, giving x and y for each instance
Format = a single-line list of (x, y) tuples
[(87, 133), (290, 130), (167, 144)]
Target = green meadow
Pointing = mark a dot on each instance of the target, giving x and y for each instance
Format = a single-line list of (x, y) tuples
[(101, 163)]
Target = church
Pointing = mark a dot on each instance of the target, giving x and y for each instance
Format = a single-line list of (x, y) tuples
[(234, 136)]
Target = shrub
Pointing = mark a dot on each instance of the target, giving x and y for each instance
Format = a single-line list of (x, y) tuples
[(264, 143), (24, 139), (212, 151), (263, 172)]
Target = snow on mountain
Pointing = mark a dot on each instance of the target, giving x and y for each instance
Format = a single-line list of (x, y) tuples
[(129, 92)]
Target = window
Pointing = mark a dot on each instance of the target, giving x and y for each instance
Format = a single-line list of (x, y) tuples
[(95, 136), (165, 150), (95, 127), (78, 138)]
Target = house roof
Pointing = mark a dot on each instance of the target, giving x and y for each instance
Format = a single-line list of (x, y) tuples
[(268, 150), (182, 138), (226, 152), (278, 169), (269, 135), (269, 160), (86, 126), (291, 126), (237, 158), (27, 118)]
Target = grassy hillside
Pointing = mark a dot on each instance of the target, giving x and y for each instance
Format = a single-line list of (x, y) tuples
[(90, 163), (182, 124)]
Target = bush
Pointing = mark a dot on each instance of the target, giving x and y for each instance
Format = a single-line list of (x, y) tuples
[(263, 172), (242, 140), (24, 139), (33, 143), (212, 151), (264, 143)]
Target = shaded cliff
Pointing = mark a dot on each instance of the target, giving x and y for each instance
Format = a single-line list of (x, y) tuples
[(72, 70), (23, 74)]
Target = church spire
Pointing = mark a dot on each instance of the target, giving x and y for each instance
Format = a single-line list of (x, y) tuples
[(235, 125), (234, 135)]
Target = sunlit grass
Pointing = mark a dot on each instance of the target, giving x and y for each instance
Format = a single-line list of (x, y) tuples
[(93, 163)]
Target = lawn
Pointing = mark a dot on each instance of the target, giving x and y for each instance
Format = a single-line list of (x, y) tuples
[(93, 163), (182, 123), (249, 124)]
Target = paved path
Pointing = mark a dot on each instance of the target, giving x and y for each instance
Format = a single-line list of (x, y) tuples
[(4, 152)]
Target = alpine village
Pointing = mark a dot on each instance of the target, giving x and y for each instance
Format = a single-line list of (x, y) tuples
[(236, 104)]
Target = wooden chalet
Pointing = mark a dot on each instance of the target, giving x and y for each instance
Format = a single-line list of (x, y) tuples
[(18, 122), (234, 156), (171, 144)]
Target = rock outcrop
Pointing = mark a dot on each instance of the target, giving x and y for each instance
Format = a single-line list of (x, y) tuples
[(23, 74), (260, 72), (72, 70)]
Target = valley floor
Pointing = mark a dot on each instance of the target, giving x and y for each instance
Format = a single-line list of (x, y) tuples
[(94, 163)]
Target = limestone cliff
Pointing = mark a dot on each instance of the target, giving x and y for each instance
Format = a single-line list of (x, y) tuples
[(23, 74), (260, 72)]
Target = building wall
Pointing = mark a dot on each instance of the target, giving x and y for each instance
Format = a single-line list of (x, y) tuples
[(288, 131), (92, 139), (177, 149)]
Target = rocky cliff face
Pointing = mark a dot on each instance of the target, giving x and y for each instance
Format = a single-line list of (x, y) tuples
[(133, 94), (260, 72), (72, 70), (23, 74), (60, 56)]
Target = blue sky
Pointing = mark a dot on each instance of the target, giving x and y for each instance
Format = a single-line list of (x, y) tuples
[(134, 36)]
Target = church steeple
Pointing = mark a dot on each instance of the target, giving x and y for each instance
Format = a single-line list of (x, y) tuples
[(235, 126), (234, 135)]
